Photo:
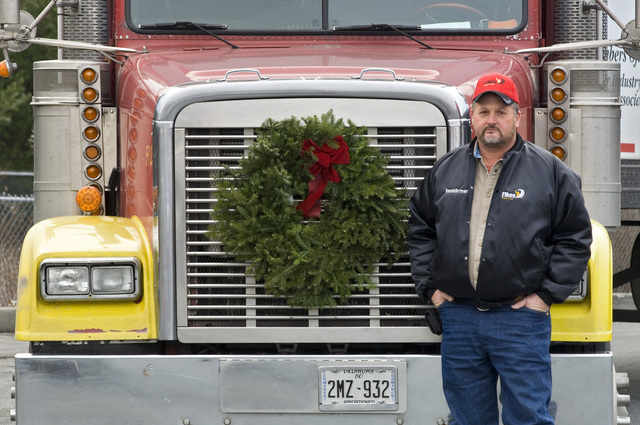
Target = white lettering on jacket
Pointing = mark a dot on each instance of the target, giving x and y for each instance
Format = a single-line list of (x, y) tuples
[(456, 190)]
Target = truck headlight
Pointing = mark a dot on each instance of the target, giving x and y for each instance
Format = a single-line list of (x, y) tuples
[(67, 280), (112, 280), (90, 278)]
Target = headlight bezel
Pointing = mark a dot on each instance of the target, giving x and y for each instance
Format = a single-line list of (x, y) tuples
[(88, 268)]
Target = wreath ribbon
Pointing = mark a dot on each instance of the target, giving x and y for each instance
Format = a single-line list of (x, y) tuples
[(323, 172)]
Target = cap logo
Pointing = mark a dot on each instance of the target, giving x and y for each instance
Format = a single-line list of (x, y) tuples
[(492, 82)]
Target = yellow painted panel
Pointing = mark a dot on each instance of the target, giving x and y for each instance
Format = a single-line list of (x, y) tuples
[(590, 320), (85, 237)]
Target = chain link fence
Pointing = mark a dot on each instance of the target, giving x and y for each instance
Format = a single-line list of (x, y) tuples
[(16, 217)]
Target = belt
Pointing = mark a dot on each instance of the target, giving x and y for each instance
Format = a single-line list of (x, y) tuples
[(486, 305)]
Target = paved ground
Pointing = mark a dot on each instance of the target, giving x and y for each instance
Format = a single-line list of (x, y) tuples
[(626, 347), (9, 347)]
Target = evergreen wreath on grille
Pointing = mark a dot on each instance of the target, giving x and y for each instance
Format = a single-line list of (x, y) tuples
[(311, 208)]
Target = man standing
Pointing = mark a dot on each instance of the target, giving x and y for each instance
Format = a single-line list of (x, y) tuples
[(498, 232)]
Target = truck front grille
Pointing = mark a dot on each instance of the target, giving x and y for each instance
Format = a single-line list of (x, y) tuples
[(213, 291), (219, 293)]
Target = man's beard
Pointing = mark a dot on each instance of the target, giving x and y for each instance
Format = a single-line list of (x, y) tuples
[(496, 139)]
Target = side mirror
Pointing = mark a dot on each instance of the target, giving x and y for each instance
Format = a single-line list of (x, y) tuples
[(14, 37), (632, 32), (10, 12)]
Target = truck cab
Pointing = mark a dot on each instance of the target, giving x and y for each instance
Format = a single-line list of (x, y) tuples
[(128, 302)]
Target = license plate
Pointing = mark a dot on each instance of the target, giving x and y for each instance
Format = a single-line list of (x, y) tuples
[(358, 387)]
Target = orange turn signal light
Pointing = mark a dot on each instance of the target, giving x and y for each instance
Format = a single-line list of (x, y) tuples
[(7, 68), (89, 199)]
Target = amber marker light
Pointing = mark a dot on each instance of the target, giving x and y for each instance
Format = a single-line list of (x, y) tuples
[(90, 94), (90, 114), (91, 133), (93, 171), (558, 134), (558, 114), (92, 153), (558, 75), (89, 75), (558, 151), (89, 199), (558, 94)]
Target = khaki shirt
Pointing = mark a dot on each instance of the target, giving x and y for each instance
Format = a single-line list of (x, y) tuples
[(484, 186)]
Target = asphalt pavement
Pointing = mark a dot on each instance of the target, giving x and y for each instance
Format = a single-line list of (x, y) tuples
[(9, 347), (626, 349)]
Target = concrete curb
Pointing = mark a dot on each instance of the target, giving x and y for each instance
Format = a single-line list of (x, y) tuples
[(621, 301)]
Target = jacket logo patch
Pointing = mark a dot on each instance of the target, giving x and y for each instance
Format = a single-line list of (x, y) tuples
[(456, 190), (518, 194)]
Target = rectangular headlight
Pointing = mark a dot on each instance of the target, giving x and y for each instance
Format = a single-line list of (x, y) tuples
[(71, 280), (112, 280), (90, 278)]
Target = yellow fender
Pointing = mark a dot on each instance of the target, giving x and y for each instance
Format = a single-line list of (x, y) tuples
[(85, 237), (590, 320)]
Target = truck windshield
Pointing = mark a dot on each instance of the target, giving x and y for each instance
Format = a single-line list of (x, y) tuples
[(328, 15)]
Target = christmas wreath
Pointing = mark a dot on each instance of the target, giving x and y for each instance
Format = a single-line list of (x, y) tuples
[(311, 208)]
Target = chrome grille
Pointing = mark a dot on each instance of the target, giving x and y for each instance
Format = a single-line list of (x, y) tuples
[(218, 292)]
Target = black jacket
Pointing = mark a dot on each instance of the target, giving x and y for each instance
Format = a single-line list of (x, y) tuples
[(538, 232)]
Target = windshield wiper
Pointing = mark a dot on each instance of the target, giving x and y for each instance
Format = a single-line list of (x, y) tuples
[(187, 24), (378, 27)]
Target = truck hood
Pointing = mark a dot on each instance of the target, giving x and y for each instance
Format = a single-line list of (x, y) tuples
[(157, 71)]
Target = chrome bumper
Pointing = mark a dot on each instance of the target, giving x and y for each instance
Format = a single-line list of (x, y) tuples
[(266, 390)]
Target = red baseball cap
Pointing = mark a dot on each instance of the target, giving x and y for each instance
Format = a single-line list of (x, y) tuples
[(499, 84)]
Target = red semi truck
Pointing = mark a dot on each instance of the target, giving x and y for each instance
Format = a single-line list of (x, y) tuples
[(135, 314)]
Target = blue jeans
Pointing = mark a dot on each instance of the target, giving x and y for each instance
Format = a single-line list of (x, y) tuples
[(478, 347)]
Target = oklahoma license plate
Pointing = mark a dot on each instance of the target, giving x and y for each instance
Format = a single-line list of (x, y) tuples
[(358, 387)]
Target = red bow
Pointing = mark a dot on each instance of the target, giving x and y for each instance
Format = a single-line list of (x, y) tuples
[(322, 171)]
